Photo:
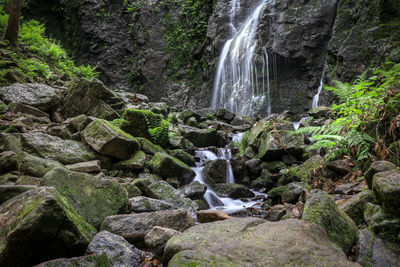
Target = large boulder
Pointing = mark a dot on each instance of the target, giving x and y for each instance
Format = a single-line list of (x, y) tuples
[(253, 242), (91, 98), (163, 191), (321, 209), (170, 167), (354, 207), (107, 139), (194, 190), (135, 163), (158, 237), (204, 137), (184, 157), (382, 222), (55, 148), (118, 250), (134, 227), (39, 225), (215, 171), (378, 166), (93, 198), (135, 123), (36, 166), (275, 144), (386, 186), (234, 191), (37, 95), (374, 251), (144, 204)]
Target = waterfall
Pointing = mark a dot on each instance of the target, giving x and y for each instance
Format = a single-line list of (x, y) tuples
[(316, 97), (237, 85)]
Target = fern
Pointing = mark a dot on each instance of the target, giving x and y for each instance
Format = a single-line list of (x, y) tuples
[(157, 126)]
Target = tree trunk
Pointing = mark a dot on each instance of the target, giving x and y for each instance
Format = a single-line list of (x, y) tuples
[(11, 33)]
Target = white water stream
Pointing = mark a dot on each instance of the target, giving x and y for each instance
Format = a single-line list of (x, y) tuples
[(316, 97), (215, 202), (241, 85)]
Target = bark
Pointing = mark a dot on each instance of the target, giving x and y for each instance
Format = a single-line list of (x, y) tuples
[(11, 33)]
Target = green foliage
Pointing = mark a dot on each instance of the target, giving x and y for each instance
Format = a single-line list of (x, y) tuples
[(39, 58), (158, 127), (186, 35), (242, 144), (359, 108)]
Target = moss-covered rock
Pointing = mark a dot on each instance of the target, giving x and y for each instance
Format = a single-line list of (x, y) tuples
[(94, 199), (275, 144), (135, 163), (354, 207), (163, 191), (144, 204), (94, 260), (108, 139), (378, 166), (204, 137), (321, 209), (215, 171), (382, 222), (9, 191), (230, 242), (184, 157), (39, 225), (135, 123), (303, 172), (148, 147), (273, 166), (386, 186), (170, 167), (133, 190), (36, 166), (194, 190), (91, 98), (289, 193)]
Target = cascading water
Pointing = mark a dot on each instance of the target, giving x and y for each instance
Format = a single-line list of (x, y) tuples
[(316, 97), (227, 204), (237, 85)]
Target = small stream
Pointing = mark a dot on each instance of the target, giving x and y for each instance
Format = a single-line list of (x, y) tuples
[(216, 202)]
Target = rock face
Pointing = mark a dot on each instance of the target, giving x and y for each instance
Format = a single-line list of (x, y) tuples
[(118, 250), (321, 209), (230, 242), (55, 148), (39, 225), (108, 139), (91, 98), (93, 198), (135, 227), (37, 95)]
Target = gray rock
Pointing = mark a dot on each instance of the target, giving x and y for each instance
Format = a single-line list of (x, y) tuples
[(27, 109), (36, 166), (194, 190), (8, 161), (230, 242), (91, 98), (204, 137), (55, 148), (382, 222), (320, 112), (215, 171), (145, 204), (118, 250), (89, 166), (37, 95), (37, 215), (386, 186), (158, 237), (341, 167), (135, 227), (94, 199), (273, 145), (163, 191), (354, 207), (289, 193), (108, 139), (234, 191), (184, 157), (275, 213), (321, 209), (373, 251), (225, 115), (60, 130), (378, 166), (345, 189)]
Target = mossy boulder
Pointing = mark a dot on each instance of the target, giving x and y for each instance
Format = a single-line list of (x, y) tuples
[(275, 144), (230, 242), (386, 186), (303, 172), (148, 147), (91, 98), (135, 123), (320, 112), (135, 163), (321, 209), (9, 191), (184, 157), (354, 207), (55, 148), (204, 137), (93, 198), (107, 139), (194, 190), (133, 190), (163, 191), (382, 222), (234, 191), (39, 225), (289, 193), (158, 237), (170, 167), (376, 167), (36, 166), (187, 114), (215, 171)]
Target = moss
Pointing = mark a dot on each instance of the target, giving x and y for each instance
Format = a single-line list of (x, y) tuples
[(148, 147), (115, 128)]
